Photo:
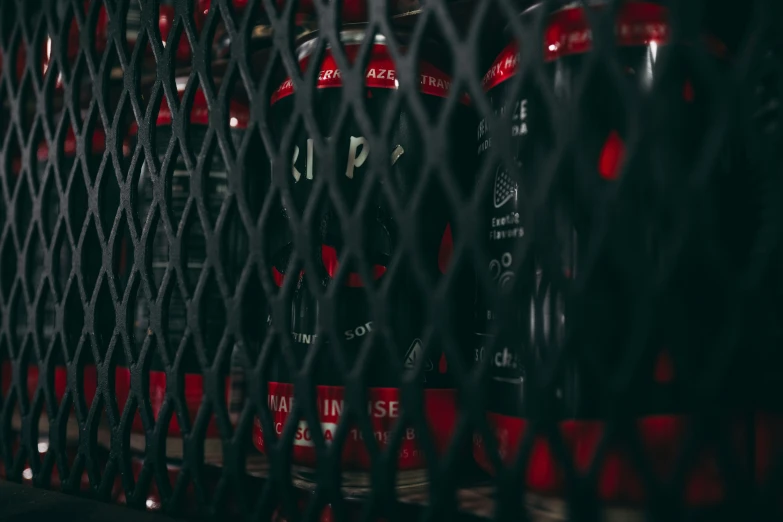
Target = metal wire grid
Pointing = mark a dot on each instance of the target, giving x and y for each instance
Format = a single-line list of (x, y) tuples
[(65, 302)]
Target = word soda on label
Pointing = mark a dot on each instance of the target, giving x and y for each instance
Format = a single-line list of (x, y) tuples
[(533, 335), (355, 323)]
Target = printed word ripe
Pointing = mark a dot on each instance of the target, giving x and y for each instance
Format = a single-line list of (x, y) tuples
[(358, 151)]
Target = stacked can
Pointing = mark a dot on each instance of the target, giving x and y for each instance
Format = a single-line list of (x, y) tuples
[(14, 167), (179, 194), (62, 262), (380, 243), (527, 345)]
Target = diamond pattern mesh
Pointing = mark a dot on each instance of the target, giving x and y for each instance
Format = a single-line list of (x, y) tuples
[(244, 250)]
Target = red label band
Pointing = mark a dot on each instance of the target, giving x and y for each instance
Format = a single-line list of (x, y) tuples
[(194, 395), (239, 115), (384, 409), (503, 68), (381, 73), (60, 379), (637, 23), (69, 145), (165, 23), (331, 263), (768, 444), (194, 392), (569, 33), (661, 436), (354, 280)]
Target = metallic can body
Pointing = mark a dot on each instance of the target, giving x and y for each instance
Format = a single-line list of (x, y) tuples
[(352, 305), (533, 342)]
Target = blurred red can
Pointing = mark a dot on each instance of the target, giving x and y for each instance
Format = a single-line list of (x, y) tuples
[(528, 344)]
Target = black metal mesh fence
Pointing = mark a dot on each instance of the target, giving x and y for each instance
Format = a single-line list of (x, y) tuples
[(374, 260)]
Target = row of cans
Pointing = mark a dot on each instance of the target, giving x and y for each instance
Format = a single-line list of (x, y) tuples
[(534, 247)]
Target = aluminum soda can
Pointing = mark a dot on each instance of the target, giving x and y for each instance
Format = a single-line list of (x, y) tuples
[(352, 308), (560, 231)]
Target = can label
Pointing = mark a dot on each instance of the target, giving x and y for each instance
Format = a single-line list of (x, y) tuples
[(384, 409), (194, 397), (638, 24), (536, 336), (504, 217), (381, 73), (618, 480), (214, 191)]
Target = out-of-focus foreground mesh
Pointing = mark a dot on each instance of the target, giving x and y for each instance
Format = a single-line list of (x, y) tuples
[(383, 259)]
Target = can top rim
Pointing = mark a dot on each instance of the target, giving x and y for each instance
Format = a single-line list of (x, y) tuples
[(349, 34), (561, 5), (354, 32)]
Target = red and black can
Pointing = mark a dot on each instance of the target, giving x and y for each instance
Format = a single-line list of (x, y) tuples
[(194, 223), (180, 200), (55, 286), (355, 321), (561, 232)]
